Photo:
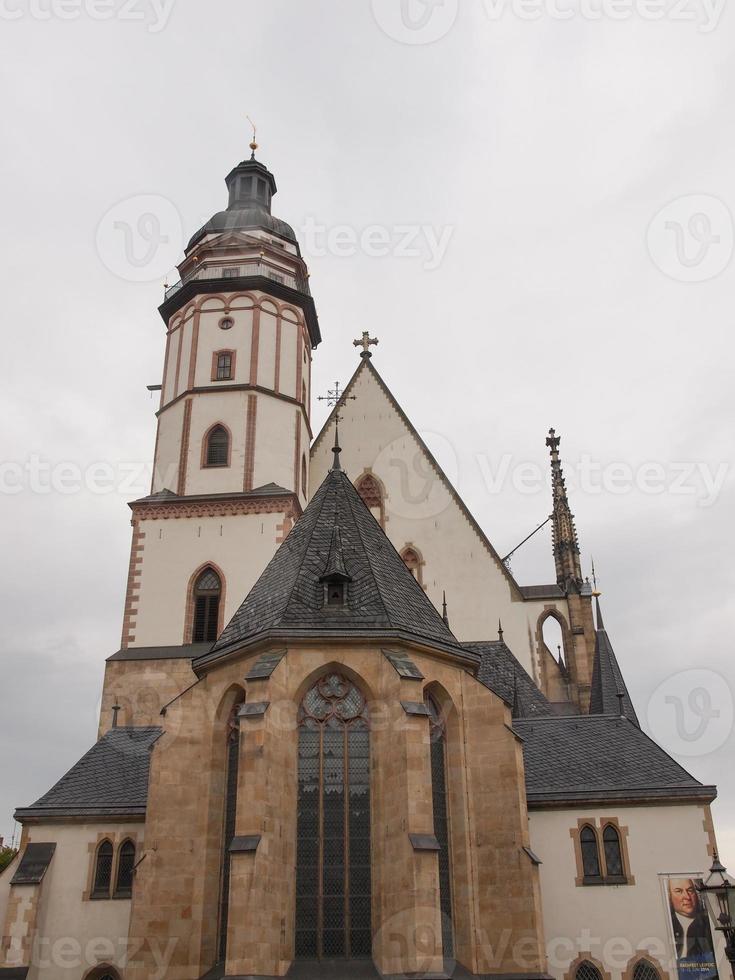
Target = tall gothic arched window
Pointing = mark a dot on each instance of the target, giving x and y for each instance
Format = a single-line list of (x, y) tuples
[(587, 971), (372, 495), (217, 449), (125, 869), (232, 770), (333, 870), (645, 970), (613, 853), (590, 853), (207, 595), (438, 731), (103, 870)]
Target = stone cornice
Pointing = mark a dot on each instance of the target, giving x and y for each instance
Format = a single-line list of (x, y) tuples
[(163, 510)]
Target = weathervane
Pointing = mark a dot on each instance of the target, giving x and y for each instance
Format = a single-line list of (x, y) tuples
[(336, 399), (254, 143), (366, 342)]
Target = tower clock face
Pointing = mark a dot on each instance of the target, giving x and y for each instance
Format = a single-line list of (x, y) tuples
[(226, 323)]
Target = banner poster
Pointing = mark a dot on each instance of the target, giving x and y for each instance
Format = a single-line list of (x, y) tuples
[(690, 931)]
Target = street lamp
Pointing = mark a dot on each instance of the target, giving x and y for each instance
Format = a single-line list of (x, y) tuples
[(719, 895)]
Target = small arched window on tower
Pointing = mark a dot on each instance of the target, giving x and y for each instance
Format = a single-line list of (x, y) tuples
[(103, 870), (224, 364), (412, 561), (207, 595), (125, 868), (371, 491), (217, 447), (590, 855)]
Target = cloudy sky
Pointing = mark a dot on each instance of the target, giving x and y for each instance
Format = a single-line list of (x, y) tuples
[(528, 202)]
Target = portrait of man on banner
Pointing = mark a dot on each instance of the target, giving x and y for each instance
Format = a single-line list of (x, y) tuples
[(690, 929)]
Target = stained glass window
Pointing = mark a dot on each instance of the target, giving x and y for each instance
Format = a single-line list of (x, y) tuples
[(103, 871), (125, 868), (333, 881), (590, 853), (232, 762), (613, 854), (441, 820)]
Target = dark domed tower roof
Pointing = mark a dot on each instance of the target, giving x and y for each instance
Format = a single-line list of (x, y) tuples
[(252, 187)]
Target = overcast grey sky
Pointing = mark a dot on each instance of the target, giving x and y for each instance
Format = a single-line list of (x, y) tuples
[(564, 169)]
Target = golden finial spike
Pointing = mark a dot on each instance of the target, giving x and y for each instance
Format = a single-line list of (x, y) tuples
[(254, 143)]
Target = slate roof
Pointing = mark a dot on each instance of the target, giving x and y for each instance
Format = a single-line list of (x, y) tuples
[(502, 673), (384, 599), (599, 758), (187, 651), (111, 779), (607, 678), (168, 496)]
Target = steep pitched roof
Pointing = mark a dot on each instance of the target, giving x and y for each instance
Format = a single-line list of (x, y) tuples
[(384, 599), (607, 678), (599, 758), (111, 779), (502, 673)]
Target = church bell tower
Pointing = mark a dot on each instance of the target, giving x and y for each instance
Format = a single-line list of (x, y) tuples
[(231, 464)]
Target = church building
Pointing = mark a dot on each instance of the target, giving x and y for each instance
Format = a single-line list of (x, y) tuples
[(334, 741)]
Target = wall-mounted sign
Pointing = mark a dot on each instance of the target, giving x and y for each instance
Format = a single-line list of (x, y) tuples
[(690, 933)]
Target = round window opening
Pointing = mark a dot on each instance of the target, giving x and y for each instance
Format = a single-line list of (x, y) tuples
[(226, 323)]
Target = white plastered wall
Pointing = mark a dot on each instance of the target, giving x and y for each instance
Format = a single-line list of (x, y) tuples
[(75, 935), (239, 545), (613, 922), (422, 511)]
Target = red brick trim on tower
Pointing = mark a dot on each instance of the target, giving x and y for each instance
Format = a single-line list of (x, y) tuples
[(254, 346), (299, 363), (234, 507), (279, 330), (184, 451), (194, 349), (177, 379), (297, 454), (132, 593), (250, 429)]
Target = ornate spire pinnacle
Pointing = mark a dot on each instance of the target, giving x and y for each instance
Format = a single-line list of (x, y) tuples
[(445, 615), (566, 544), (336, 449), (596, 593), (500, 630)]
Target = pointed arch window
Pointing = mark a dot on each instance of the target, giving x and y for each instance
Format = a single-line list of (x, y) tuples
[(614, 867), (125, 869), (645, 970), (590, 854), (371, 491), (232, 770), (217, 448), (438, 732), (333, 868), (103, 870), (587, 971), (413, 562), (207, 596)]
